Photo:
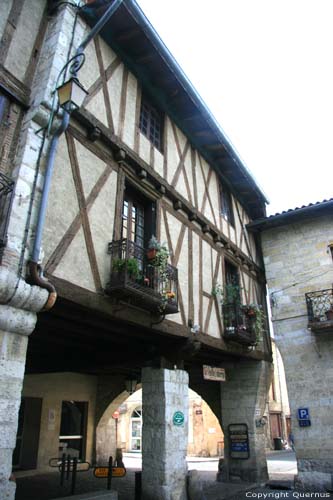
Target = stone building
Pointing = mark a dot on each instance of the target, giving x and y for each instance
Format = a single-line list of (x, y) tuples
[(205, 436), (278, 411), (85, 313), (297, 247)]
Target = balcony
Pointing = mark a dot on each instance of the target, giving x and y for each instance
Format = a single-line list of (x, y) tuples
[(320, 310), (239, 324), (140, 281)]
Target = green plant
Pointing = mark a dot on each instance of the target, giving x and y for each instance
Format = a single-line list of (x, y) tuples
[(228, 293), (256, 312), (154, 243), (130, 265)]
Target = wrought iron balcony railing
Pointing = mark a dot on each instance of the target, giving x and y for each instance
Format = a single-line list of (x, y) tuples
[(140, 280), (239, 325), (6, 194), (320, 310)]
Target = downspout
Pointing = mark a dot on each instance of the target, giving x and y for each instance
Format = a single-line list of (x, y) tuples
[(35, 269)]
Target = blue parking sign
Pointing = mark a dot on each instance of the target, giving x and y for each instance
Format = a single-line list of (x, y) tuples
[(303, 414)]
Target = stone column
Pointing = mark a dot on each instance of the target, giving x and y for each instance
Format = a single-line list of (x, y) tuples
[(164, 443), (243, 400), (19, 303)]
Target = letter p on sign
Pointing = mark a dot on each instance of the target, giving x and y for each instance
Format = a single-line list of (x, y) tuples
[(303, 413)]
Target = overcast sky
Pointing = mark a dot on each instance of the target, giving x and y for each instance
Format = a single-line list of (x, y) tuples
[(265, 70)]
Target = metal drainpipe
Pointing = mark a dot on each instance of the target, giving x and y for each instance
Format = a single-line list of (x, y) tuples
[(35, 270)]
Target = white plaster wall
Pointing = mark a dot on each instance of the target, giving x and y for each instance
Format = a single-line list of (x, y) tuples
[(62, 194), (27, 28)]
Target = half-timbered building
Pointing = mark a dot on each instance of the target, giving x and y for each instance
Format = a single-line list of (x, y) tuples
[(84, 194)]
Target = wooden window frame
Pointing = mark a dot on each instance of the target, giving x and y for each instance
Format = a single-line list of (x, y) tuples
[(227, 210), (153, 129)]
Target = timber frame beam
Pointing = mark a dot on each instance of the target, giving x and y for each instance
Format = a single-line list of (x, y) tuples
[(132, 160)]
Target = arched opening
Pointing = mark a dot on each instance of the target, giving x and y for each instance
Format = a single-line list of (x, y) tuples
[(205, 436)]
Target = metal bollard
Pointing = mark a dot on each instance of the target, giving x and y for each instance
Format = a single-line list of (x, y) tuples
[(74, 471), (109, 474), (62, 469), (138, 485), (68, 468)]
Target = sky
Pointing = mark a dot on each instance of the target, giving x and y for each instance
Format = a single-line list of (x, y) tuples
[(264, 69)]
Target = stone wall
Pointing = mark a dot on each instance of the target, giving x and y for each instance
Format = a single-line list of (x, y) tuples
[(243, 400), (164, 467), (297, 261)]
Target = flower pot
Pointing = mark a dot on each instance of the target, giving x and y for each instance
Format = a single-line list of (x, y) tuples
[(251, 313), (151, 253), (329, 315)]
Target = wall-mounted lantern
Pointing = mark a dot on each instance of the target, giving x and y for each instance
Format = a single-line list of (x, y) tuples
[(71, 94)]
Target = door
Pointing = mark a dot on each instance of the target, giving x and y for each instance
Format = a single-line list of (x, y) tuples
[(275, 423), (27, 439)]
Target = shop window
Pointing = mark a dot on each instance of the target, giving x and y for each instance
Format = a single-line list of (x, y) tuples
[(151, 123), (226, 206), (73, 429)]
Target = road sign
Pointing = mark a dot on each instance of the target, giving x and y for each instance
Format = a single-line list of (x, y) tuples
[(103, 472), (306, 422), (213, 373), (239, 441), (178, 418), (303, 414), (115, 414)]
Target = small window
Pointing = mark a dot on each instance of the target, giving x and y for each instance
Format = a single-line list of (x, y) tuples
[(226, 206), (151, 123)]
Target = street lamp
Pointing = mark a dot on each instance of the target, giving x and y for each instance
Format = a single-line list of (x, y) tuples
[(71, 94)]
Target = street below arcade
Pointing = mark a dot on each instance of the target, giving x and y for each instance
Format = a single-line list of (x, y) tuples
[(281, 467)]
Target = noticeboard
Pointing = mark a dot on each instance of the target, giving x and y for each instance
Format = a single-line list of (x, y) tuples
[(239, 441), (214, 373)]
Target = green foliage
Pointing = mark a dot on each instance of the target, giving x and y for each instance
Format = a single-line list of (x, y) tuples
[(259, 323), (154, 243), (131, 265), (227, 294)]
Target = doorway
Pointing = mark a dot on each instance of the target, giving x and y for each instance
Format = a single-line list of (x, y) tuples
[(27, 438)]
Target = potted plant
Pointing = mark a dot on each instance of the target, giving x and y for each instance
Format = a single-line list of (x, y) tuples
[(130, 265), (227, 294), (153, 247), (251, 310), (329, 314)]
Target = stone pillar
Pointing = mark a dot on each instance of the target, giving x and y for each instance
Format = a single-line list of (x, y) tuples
[(19, 303), (243, 400), (164, 443)]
